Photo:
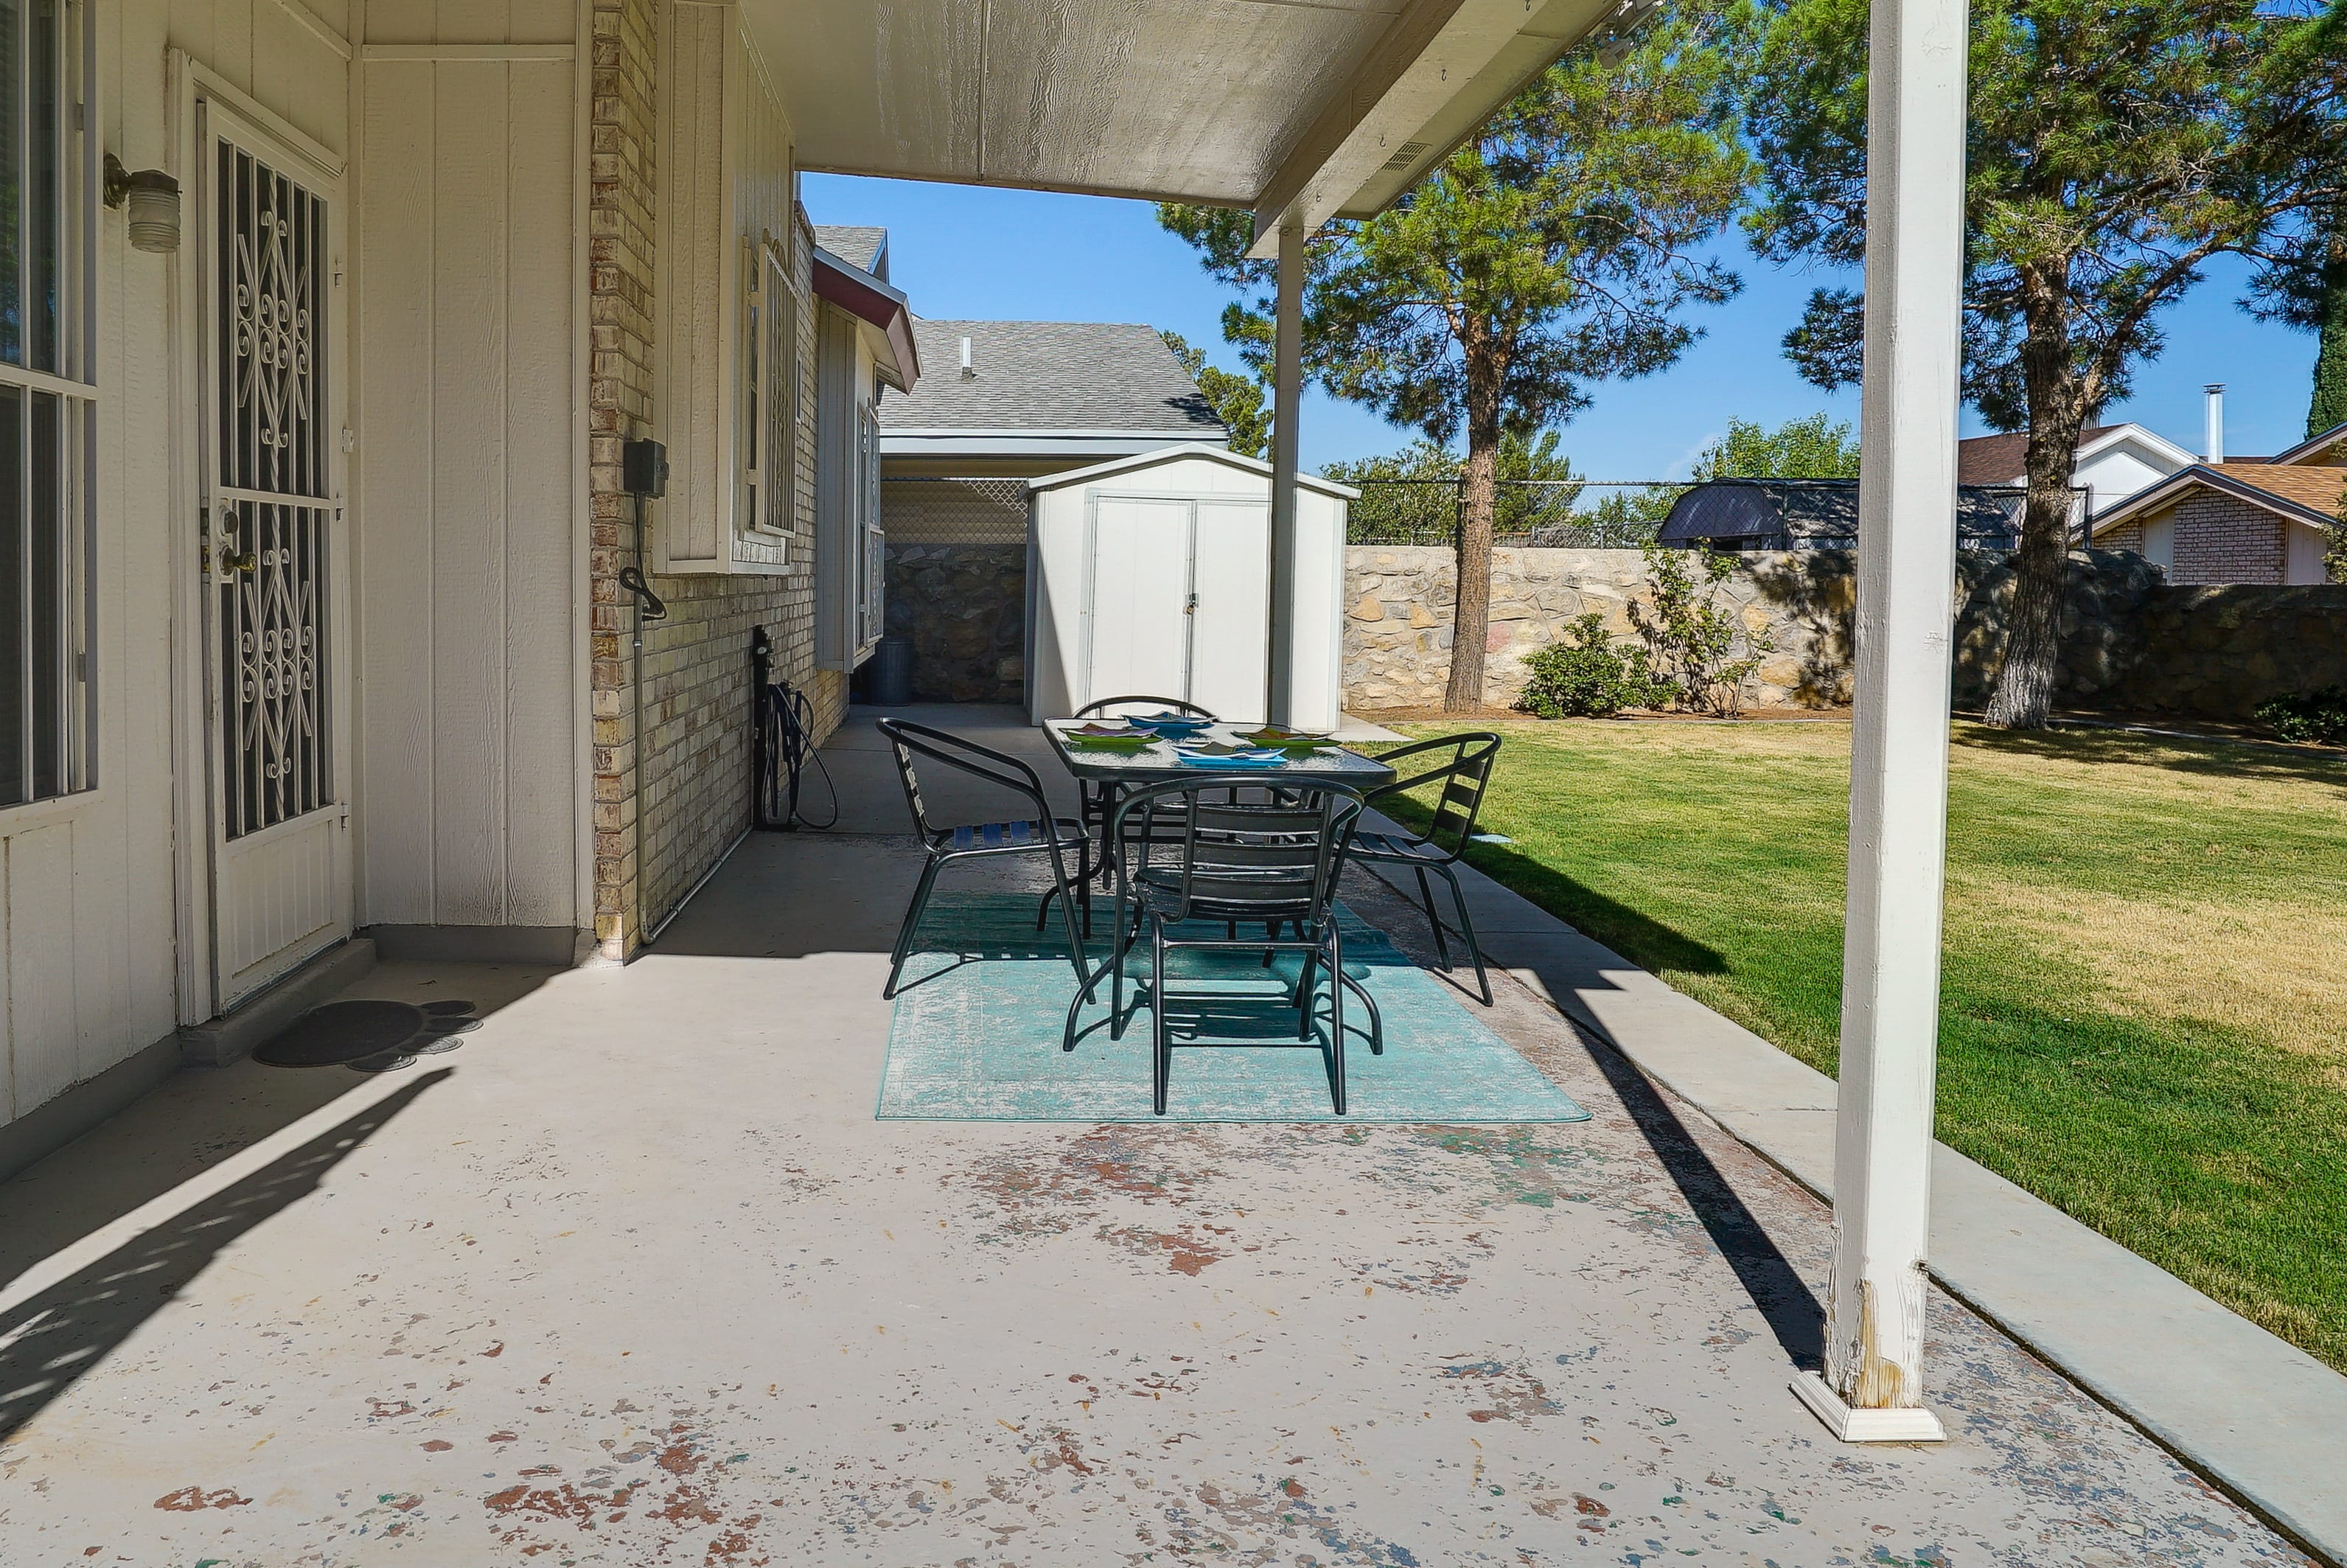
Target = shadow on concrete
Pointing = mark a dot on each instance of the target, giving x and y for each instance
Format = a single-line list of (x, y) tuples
[(48, 1341), (1784, 1298), (1633, 933), (201, 1116)]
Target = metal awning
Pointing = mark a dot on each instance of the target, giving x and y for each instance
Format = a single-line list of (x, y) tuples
[(1295, 109)]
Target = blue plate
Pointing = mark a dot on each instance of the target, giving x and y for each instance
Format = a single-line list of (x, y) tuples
[(1238, 760), (1169, 723)]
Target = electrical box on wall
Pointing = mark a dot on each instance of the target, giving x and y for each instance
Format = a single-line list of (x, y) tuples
[(643, 468)]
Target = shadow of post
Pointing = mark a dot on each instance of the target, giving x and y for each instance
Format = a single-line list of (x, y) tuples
[(49, 1341), (1790, 1308)]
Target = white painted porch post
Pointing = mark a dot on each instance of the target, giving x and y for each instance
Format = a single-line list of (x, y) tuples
[(1286, 405), (1873, 1386)]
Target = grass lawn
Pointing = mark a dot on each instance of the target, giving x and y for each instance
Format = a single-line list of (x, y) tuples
[(2144, 1010)]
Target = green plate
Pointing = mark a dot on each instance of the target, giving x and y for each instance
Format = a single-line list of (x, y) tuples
[(1112, 743), (1286, 740)]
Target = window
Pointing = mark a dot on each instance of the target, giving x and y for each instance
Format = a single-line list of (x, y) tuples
[(47, 406), (780, 507), (872, 539), (767, 401)]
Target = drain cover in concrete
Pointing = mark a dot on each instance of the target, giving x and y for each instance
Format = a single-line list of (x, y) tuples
[(368, 1035)]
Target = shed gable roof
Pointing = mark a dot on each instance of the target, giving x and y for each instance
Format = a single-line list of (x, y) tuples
[(1033, 376), (1165, 455)]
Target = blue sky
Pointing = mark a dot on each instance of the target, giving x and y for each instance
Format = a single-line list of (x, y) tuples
[(968, 254)]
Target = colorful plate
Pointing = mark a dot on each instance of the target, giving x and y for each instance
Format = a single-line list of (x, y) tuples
[(1246, 759), (1286, 740)]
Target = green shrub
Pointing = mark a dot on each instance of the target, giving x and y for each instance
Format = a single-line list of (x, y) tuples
[(1587, 677), (2318, 716), (1702, 648)]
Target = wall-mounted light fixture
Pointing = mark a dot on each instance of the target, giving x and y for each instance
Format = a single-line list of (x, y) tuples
[(153, 197)]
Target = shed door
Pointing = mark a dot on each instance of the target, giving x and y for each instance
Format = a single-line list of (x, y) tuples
[(1230, 618), (1137, 599)]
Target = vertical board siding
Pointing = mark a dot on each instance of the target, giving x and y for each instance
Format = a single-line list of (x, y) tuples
[(41, 998), (260, 51), (541, 519), (394, 480), (469, 218), (468, 465), (88, 921)]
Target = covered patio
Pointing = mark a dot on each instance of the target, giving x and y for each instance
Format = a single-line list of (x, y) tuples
[(633, 1276)]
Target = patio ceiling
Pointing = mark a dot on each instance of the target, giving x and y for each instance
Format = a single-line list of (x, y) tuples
[(1306, 108)]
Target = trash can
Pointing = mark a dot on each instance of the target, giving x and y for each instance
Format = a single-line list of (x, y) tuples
[(892, 673)]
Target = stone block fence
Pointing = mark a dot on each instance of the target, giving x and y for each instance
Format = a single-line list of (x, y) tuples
[(2129, 641)]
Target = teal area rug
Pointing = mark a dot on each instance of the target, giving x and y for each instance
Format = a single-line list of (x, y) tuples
[(976, 1036)]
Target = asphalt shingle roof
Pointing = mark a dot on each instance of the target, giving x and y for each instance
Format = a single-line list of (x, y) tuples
[(1996, 459), (1050, 375), (851, 244)]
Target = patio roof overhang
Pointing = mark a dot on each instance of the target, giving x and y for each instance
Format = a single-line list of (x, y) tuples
[(1298, 110)]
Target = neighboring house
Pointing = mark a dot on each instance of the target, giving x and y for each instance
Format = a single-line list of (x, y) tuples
[(2112, 462), (2241, 522), (1005, 402), (1814, 515), (324, 583)]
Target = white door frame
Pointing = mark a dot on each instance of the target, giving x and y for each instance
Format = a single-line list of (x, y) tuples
[(200, 98)]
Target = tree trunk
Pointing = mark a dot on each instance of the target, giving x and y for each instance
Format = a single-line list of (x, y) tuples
[(1471, 619), (2057, 398)]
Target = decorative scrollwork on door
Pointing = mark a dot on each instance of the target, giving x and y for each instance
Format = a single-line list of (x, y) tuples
[(269, 311)]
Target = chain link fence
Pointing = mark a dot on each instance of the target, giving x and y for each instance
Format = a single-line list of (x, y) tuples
[(1623, 514), (1553, 514), (954, 511)]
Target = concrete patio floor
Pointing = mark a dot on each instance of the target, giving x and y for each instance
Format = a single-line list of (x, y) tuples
[(633, 1276)]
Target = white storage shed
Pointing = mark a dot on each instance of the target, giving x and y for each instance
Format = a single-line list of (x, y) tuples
[(1153, 575)]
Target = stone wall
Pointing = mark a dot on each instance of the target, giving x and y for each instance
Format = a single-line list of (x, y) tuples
[(2129, 639), (2221, 649), (965, 607), (1399, 600), (687, 776)]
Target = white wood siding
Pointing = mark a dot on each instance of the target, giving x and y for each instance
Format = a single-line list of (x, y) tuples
[(725, 190), (87, 920), (469, 538)]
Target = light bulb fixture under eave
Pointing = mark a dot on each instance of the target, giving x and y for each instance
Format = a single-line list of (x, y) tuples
[(153, 199)]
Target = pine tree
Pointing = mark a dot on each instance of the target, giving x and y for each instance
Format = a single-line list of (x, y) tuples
[(1556, 248)]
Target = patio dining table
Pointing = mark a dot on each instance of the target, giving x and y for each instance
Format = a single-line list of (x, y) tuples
[(1158, 763), (1116, 770)]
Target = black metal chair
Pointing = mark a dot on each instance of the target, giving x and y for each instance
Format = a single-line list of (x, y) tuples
[(1464, 770), (1042, 834), (1093, 800), (1234, 860)]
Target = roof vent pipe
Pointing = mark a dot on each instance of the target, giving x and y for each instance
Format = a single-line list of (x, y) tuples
[(2216, 390), (967, 370)]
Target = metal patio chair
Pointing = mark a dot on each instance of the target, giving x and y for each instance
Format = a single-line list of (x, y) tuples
[(1042, 834), (1093, 800), (1463, 763), (1232, 860)]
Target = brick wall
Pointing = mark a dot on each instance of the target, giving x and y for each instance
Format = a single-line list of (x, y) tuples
[(690, 777), (2128, 537), (2221, 539)]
